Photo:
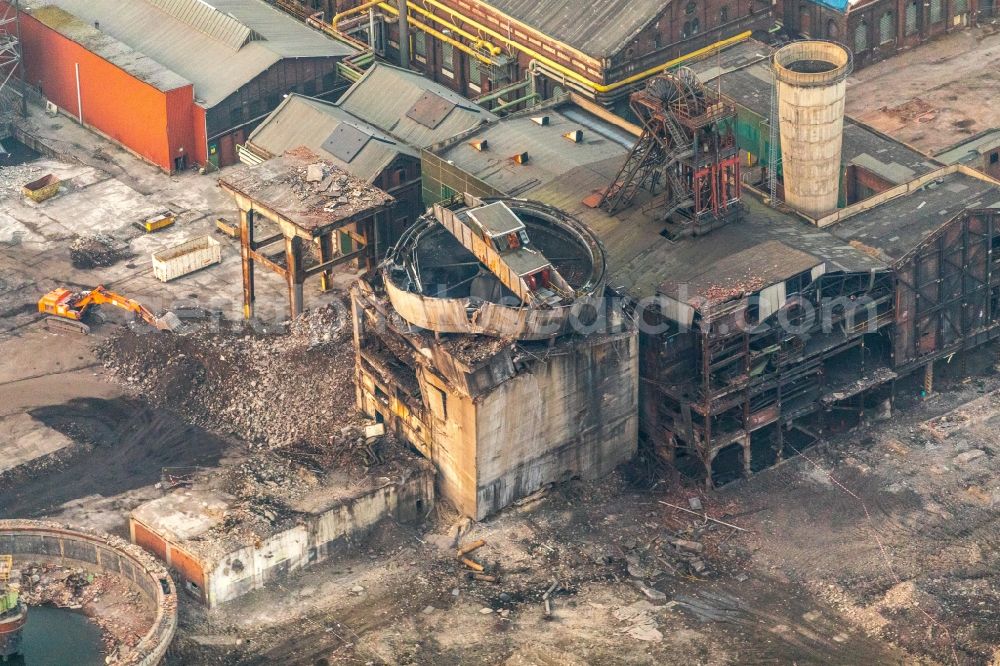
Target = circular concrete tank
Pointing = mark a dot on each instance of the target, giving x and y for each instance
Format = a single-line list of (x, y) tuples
[(46, 542), (811, 79)]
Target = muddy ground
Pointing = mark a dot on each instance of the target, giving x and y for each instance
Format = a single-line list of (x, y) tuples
[(112, 453)]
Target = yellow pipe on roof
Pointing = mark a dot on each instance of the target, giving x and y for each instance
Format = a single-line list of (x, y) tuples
[(596, 87), (337, 18), (439, 35), (476, 39)]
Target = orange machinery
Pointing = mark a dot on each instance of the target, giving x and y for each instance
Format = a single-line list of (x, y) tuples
[(66, 309)]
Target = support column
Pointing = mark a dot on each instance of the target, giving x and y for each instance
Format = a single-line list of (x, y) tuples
[(928, 379), (325, 255), (404, 34), (747, 471), (296, 276), (246, 244)]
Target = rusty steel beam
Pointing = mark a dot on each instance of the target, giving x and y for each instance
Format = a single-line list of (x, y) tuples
[(342, 259), (277, 268), (294, 274), (267, 241), (325, 256), (246, 241)]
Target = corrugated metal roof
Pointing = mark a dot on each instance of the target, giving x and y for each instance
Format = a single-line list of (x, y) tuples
[(549, 153), (598, 29), (202, 51), (114, 51), (206, 18), (898, 225), (303, 121), (385, 95), (971, 150)]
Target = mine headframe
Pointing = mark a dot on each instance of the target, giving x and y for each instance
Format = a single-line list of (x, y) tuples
[(688, 147)]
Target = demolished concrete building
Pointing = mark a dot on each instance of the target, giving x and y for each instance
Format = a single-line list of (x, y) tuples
[(485, 342), (221, 551)]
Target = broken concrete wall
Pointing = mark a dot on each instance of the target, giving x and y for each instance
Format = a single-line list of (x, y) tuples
[(452, 422), (319, 537), (574, 413)]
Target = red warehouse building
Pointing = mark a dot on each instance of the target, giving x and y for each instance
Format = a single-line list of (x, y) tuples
[(178, 82)]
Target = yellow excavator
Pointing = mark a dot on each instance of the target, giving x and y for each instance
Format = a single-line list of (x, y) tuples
[(66, 309)]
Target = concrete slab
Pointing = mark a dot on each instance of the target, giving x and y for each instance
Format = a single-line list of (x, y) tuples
[(935, 95), (23, 439), (107, 206)]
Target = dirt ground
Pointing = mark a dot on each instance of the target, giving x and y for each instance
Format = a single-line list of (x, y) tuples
[(935, 95)]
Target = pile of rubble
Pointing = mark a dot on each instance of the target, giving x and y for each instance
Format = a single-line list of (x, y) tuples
[(98, 250), (108, 600), (271, 390), (13, 178)]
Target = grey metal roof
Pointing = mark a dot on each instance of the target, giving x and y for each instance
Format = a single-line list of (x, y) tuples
[(899, 224), (755, 268), (107, 47), (218, 45), (385, 95), (971, 150), (549, 153), (598, 29), (304, 121)]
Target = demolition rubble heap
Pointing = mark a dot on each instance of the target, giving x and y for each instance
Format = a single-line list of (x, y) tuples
[(258, 386), (97, 250), (485, 342)]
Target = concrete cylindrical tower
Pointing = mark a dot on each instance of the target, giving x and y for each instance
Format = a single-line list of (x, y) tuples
[(811, 78)]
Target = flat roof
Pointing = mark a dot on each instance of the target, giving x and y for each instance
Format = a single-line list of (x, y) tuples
[(640, 259), (305, 121), (934, 95), (281, 185), (218, 45), (181, 516), (550, 154), (898, 225), (744, 272)]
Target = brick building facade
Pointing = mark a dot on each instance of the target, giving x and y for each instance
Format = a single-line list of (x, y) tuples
[(876, 29)]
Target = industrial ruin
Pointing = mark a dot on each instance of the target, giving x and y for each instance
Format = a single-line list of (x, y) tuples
[(504, 367), (642, 331)]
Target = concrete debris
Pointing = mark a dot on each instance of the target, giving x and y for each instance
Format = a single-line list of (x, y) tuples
[(652, 593), (689, 546), (272, 390), (97, 250), (969, 456), (13, 178), (641, 621)]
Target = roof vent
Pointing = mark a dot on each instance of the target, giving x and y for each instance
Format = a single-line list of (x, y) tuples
[(480, 144), (576, 136), (520, 158), (541, 120)]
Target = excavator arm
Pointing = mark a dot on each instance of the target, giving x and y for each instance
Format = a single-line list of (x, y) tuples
[(101, 296), (68, 309)]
